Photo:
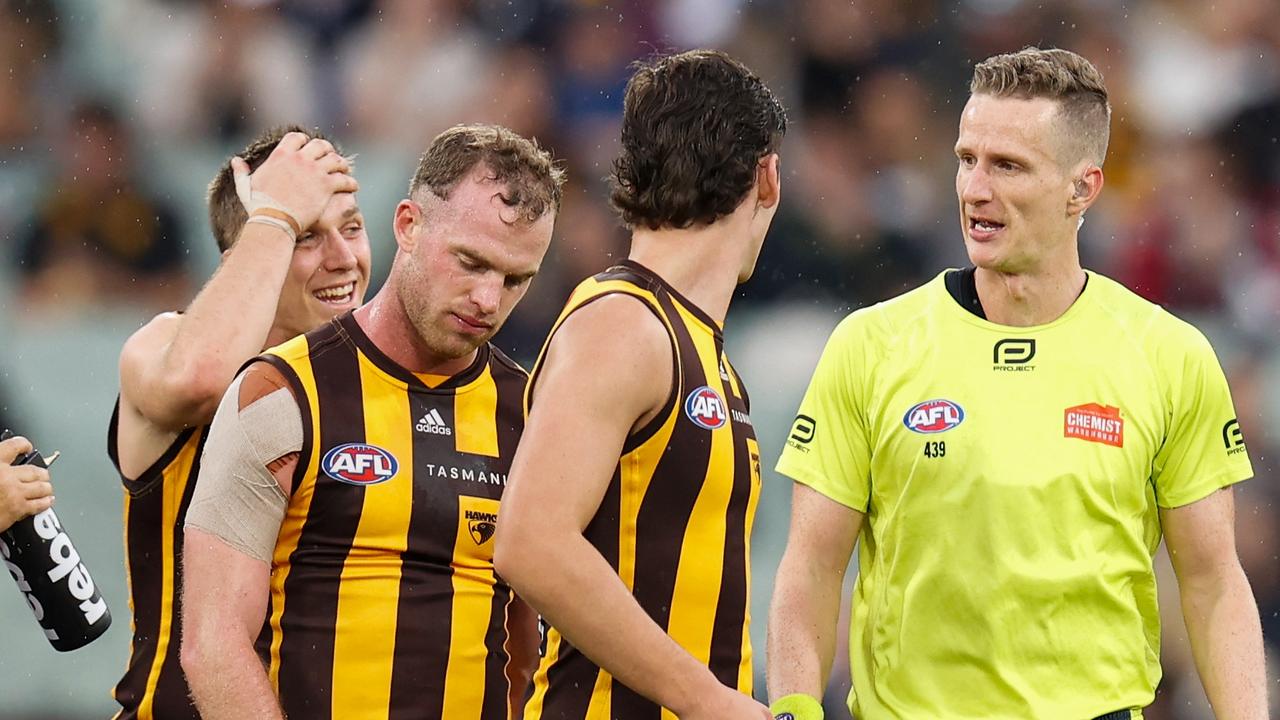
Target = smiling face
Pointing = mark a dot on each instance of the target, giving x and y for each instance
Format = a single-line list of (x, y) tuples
[(1016, 183), (465, 263), (329, 271)]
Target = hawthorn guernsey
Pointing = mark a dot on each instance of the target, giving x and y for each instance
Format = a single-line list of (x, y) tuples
[(987, 493)]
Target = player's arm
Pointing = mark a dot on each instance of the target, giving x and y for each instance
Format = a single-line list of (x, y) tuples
[(596, 385), (234, 517), (1218, 606), (174, 370), (806, 595), (522, 645)]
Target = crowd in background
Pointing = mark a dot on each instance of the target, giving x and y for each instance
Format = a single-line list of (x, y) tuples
[(113, 116)]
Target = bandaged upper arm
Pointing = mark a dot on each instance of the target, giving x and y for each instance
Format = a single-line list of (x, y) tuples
[(236, 496)]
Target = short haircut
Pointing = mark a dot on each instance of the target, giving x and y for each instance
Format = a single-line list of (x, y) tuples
[(1059, 75), (226, 215), (694, 128), (533, 182)]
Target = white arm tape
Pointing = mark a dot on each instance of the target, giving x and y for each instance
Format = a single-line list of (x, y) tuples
[(236, 496)]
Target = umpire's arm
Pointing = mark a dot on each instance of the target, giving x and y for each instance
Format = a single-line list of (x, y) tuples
[(1218, 606), (806, 593)]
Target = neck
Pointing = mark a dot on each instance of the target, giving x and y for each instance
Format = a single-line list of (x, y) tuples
[(702, 263), (388, 325), (1033, 297), (278, 335)]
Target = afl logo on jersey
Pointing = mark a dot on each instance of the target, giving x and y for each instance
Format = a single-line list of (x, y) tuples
[(705, 408), (933, 416), (359, 464)]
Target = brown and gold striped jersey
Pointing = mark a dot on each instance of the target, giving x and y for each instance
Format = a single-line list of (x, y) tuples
[(675, 522), (384, 602), (155, 507)]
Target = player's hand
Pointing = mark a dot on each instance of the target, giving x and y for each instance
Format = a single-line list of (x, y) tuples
[(24, 489), (727, 704), (297, 179)]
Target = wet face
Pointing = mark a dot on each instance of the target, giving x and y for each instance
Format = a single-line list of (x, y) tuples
[(465, 264), (329, 272), (1013, 187)]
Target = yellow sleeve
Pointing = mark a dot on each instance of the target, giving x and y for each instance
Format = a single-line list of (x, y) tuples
[(828, 448), (1203, 448)]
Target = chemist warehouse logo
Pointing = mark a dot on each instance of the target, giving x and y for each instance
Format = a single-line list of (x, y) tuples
[(359, 464), (1095, 423)]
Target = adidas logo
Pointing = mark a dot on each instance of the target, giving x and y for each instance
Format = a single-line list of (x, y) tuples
[(431, 422)]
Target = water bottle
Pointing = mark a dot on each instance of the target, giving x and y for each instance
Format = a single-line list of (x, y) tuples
[(55, 583)]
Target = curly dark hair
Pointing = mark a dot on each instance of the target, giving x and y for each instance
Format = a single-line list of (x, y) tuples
[(534, 182), (694, 128), (226, 215)]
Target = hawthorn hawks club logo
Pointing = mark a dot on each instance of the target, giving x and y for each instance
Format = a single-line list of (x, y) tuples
[(705, 408), (933, 416), (359, 464)]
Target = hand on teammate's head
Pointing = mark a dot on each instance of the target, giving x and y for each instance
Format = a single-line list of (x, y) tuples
[(298, 179)]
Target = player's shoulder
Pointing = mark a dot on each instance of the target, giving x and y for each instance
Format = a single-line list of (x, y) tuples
[(602, 319), (501, 364)]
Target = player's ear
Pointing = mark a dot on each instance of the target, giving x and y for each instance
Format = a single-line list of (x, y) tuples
[(769, 180), (407, 224)]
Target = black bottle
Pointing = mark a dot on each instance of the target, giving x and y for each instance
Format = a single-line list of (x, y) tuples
[(55, 583)]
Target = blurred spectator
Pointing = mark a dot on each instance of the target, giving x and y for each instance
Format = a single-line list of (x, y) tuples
[(219, 69), (595, 47), (29, 38), (97, 235), (413, 70)]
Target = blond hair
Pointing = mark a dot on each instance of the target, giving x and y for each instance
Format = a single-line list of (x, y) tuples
[(1059, 75)]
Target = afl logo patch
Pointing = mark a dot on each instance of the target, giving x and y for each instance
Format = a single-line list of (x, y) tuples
[(705, 408), (359, 464), (933, 416)]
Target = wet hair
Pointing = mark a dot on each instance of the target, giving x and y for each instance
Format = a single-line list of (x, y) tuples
[(695, 126), (1059, 75), (533, 182), (226, 215)]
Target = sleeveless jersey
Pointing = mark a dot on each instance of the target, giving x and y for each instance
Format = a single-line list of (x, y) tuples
[(384, 602), (675, 522)]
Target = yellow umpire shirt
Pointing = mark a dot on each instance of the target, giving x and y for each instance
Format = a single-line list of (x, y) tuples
[(1011, 479)]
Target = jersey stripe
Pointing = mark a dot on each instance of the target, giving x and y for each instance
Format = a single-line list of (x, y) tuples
[(155, 508), (302, 663), (368, 591), (476, 430), (295, 364)]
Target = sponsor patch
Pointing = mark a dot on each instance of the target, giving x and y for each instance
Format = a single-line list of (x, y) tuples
[(933, 416), (1095, 423), (1232, 438), (359, 464), (1013, 355), (706, 408)]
